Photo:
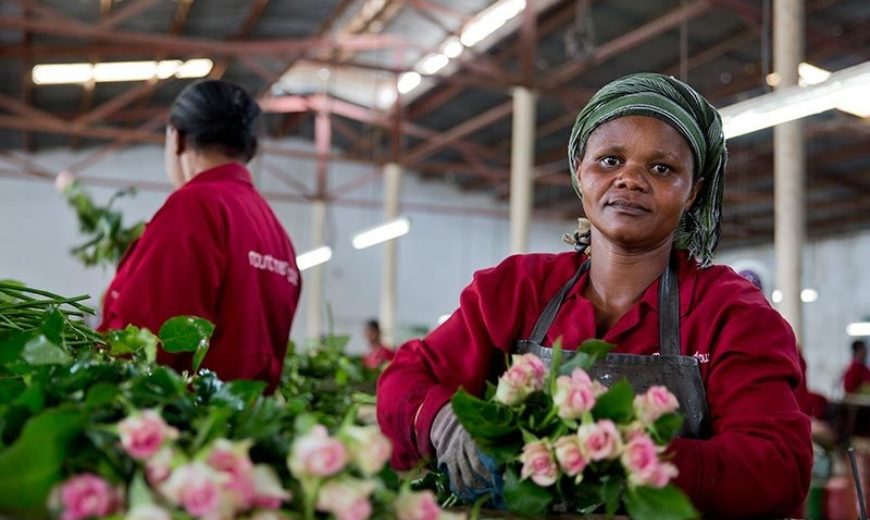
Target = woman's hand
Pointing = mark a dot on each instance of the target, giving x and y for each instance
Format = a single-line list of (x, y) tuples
[(472, 473)]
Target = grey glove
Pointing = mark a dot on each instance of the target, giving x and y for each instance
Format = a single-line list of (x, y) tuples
[(455, 450)]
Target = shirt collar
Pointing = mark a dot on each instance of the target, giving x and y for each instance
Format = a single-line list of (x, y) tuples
[(231, 171), (687, 274)]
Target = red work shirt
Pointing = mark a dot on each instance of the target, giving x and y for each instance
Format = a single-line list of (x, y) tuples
[(856, 376), (216, 250), (377, 356), (757, 462)]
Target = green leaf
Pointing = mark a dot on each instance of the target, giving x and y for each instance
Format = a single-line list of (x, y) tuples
[(503, 449), (53, 325), (596, 349), (238, 395), (580, 360), (616, 403), (42, 351), (132, 340), (139, 492), (524, 497), (10, 389), (482, 419), (337, 343), (12, 344), (100, 395), (185, 334), (32, 465), (156, 388), (667, 427), (667, 503), (489, 393), (611, 491)]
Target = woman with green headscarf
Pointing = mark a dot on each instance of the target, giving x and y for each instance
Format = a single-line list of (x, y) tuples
[(647, 158)]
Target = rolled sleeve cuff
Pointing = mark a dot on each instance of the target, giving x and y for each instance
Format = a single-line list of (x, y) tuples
[(435, 399)]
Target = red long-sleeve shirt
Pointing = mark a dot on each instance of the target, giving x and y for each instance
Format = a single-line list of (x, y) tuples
[(757, 462), (856, 376), (216, 250)]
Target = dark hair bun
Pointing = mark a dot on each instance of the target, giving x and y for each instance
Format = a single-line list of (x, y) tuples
[(218, 115)]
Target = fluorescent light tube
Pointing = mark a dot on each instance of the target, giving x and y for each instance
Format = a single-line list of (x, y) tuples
[(387, 231), (64, 73), (314, 257), (408, 81), (433, 63), (490, 20), (860, 328), (796, 102)]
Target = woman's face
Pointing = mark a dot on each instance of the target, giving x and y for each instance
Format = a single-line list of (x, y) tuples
[(636, 179)]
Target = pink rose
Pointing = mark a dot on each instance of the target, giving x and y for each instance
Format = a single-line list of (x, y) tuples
[(143, 434), (538, 463), (570, 456), (600, 441), (317, 454), (417, 506), (526, 374), (268, 491), (641, 462), (148, 512), (369, 448), (657, 401), (574, 395), (632, 430), (232, 460), (195, 487), (663, 473), (64, 180), (159, 466), (346, 499), (84, 496)]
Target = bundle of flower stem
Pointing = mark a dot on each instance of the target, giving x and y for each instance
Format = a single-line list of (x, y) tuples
[(24, 308)]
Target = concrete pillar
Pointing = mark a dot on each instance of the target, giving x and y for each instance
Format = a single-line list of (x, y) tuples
[(789, 165), (313, 285), (387, 318), (522, 167)]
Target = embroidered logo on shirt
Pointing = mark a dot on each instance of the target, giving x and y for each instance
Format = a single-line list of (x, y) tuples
[(702, 358), (279, 267)]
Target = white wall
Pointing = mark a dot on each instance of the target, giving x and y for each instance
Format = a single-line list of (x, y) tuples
[(836, 268), (436, 260)]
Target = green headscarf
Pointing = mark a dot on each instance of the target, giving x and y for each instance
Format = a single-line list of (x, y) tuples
[(677, 104)]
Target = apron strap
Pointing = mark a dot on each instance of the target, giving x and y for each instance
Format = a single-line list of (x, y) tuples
[(669, 311), (549, 313)]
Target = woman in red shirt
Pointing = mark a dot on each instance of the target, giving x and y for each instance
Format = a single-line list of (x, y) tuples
[(215, 249), (857, 375), (647, 157)]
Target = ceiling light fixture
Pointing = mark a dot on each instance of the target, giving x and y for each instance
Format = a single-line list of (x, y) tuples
[(842, 87), (72, 73), (433, 63), (490, 20), (313, 258), (408, 81), (387, 231), (859, 328)]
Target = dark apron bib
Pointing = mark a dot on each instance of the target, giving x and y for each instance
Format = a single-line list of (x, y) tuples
[(679, 374)]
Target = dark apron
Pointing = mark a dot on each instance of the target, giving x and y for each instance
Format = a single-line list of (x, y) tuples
[(679, 374)]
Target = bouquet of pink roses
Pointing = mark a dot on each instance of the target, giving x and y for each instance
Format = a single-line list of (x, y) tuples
[(568, 443)]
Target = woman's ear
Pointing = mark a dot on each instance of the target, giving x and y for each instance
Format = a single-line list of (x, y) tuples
[(696, 189), (180, 141)]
